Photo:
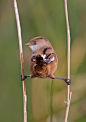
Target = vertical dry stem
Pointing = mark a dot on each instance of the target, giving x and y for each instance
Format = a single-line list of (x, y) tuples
[(21, 60), (68, 61)]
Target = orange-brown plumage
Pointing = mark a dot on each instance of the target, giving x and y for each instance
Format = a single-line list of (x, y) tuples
[(43, 62)]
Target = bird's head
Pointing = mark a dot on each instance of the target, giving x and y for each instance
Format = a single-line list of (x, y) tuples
[(37, 43)]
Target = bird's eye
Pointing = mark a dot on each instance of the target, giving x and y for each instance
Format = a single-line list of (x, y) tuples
[(33, 43)]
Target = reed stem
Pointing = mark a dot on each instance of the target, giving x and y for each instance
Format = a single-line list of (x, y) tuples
[(21, 60)]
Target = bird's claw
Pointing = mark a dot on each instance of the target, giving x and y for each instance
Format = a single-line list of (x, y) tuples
[(25, 76), (68, 81)]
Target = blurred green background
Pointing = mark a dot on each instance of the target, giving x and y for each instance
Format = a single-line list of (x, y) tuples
[(42, 18)]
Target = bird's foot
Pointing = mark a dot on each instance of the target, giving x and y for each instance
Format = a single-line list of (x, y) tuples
[(68, 81), (25, 76)]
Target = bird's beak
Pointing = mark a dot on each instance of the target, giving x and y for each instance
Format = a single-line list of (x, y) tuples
[(28, 44)]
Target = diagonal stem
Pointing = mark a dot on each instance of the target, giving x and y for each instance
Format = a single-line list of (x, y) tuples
[(21, 59)]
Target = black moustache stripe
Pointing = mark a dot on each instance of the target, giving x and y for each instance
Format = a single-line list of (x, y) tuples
[(49, 55), (45, 49)]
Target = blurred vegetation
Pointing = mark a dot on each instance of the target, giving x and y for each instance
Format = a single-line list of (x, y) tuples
[(42, 18)]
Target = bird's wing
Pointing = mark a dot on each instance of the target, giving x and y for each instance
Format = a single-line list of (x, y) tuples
[(49, 58), (37, 58)]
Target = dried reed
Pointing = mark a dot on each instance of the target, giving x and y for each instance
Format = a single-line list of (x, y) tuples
[(68, 62), (21, 60)]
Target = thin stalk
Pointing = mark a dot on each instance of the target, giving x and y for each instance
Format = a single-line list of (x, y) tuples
[(68, 61), (51, 100), (21, 60)]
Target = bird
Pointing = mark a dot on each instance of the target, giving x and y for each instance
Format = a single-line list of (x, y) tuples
[(44, 61)]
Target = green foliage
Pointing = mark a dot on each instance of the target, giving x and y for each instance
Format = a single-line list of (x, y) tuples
[(42, 18)]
